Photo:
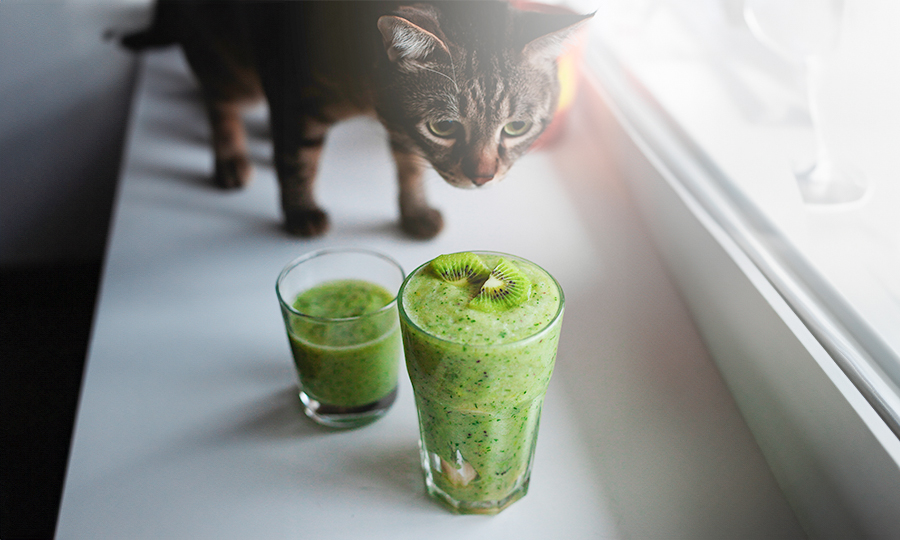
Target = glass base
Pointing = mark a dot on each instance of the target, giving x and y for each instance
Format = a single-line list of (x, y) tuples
[(475, 507), (825, 185), (485, 507), (346, 417)]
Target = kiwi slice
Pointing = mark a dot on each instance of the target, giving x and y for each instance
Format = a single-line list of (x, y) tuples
[(461, 268), (505, 288)]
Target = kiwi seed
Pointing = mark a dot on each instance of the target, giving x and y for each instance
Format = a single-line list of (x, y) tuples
[(461, 268), (506, 287)]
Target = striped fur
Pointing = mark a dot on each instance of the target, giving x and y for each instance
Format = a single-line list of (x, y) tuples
[(465, 86)]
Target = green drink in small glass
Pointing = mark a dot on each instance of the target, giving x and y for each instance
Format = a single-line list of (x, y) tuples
[(480, 333), (340, 312)]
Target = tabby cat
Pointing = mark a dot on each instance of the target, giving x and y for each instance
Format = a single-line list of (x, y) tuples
[(466, 86)]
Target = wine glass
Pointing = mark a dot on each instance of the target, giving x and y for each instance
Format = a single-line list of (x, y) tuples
[(807, 31)]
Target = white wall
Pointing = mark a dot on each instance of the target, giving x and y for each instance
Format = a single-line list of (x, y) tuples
[(64, 98)]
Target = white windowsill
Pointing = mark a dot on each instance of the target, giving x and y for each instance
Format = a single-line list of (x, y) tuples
[(189, 424)]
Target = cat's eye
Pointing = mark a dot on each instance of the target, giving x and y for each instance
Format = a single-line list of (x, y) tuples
[(444, 128), (516, 128)]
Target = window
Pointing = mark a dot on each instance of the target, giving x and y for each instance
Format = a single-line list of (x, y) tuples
[(756, 93)]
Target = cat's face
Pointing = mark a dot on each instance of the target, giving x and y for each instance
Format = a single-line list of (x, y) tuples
[(470, 89), (472, 131)]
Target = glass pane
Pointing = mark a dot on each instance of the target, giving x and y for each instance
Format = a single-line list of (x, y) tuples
[(794, 104)]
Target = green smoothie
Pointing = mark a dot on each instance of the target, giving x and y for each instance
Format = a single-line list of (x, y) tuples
[(346, 343), (479, 377)]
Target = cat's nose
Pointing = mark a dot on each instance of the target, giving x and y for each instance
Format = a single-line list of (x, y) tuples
[(480, 169), (482, 180)]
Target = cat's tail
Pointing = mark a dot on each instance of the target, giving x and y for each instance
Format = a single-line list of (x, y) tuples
[(160, 33)]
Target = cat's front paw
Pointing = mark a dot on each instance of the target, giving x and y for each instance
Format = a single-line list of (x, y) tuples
[(424, 224), (305, 222), (232, 173)]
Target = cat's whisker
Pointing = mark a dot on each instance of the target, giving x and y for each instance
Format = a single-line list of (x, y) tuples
[(449, 78)]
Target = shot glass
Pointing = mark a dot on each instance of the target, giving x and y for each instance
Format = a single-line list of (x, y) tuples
[(340, 313), (478, 402)]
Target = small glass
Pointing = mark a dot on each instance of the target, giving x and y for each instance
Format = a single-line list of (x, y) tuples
[(347, 365), (479, 405)]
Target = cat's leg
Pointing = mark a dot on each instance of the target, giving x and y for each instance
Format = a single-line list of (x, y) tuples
[(232, 166), (417, 218), (297, 151)]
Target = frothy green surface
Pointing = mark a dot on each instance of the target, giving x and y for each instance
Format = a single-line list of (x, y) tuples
[(342, 298), (441, 308)]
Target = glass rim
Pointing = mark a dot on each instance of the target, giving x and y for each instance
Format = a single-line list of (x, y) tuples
[(556, 316), (330, 251)]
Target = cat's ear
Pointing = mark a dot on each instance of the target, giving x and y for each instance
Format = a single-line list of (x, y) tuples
[(543, 36), (408, 45)]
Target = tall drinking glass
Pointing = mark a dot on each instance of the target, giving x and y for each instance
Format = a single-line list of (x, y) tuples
[(340, 311), (479, 379), (808, 31)]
